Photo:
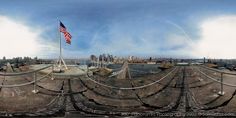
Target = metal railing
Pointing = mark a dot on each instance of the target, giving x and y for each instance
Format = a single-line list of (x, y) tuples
[(219, 71), (131, 88), (35, 78), (217, 80)]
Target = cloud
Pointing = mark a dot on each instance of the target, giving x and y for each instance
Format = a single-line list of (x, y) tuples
[(217, 38), (18, 39), (141, 37)]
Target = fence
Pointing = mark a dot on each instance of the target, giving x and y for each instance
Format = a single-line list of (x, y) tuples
[(34, 73), (221, 92)]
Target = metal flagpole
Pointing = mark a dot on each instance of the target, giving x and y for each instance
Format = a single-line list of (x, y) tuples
[(60, 58)]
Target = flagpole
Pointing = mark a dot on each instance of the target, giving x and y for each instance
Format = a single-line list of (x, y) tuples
[(61, 61), (60, 58)]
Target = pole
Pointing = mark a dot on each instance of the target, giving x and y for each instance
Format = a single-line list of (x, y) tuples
[(60, 57), (200, 73), (35, 82), (59, 45), (221, 75), (221, 84), (52, 77)]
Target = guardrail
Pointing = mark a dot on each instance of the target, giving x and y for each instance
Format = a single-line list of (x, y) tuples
[(221, 78), (130, 88), (34, 72), (228, 73)]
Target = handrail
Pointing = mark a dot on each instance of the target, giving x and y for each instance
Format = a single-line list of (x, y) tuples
[(130, 88), (228, 73), (23, 73), (24, 84), (227, 84), (154, 72)]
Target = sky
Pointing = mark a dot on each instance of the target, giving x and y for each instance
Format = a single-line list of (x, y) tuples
[(158, 28)]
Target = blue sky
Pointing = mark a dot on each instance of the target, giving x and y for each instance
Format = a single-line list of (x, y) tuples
[(121, 27)]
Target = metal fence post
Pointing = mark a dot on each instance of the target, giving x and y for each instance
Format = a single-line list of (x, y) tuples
[(87, 69), (35, 83), (52, 77), (221, 85), (201, 76), (200, 72)]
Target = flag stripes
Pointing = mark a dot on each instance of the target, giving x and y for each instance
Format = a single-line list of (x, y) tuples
[(66, 33)]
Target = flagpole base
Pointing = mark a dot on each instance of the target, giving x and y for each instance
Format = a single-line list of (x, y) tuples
[(221, 93), (58, 70)]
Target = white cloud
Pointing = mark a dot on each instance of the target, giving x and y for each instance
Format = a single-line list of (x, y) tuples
[(18, 39), (217, 38), (139, 39)]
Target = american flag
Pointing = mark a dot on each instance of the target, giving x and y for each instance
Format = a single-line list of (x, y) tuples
[(66, 34)]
